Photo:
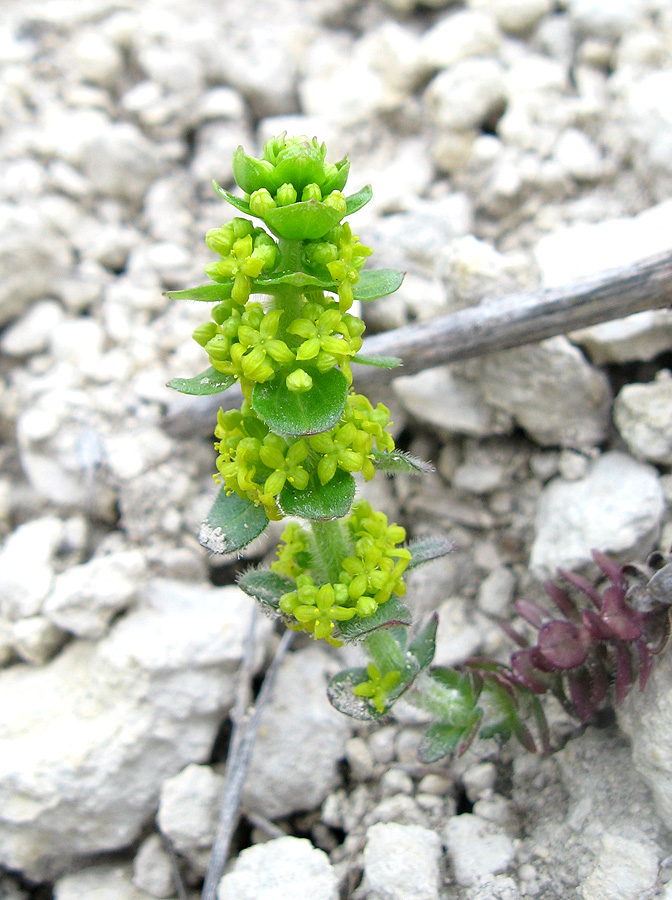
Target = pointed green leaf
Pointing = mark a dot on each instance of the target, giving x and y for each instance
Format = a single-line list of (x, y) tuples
[(424, 644), (232, 523), (337, 181), (397, 462), (265, 586), (426, 549), (316, 410), (356, 201), (320, 501), (296, 279), (382, 362), (308, 220), (208, 293), (209, 382), (251, 173), (238, 202), (299, 169), (438, 741), (339, 692), (391, 613), (375, 283)]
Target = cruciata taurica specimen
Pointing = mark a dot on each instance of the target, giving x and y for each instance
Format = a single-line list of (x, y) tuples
[(281, 326)]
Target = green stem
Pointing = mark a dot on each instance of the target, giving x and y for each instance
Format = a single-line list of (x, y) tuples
[(331, 546), (384, 651)]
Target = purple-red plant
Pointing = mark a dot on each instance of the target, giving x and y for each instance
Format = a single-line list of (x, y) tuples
[(603, 635)]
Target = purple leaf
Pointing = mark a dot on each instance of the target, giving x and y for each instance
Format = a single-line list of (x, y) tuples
[(623, 672), (531, 612), (562, 600), (612, 570), (621, 620), (582, 584), (596, 626), (527, 674), (588, 688), (563, 644)]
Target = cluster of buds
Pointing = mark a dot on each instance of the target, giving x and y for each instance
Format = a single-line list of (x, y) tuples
[(369, 576), (256, 463)]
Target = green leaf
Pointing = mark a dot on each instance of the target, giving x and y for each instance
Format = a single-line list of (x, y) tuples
[(339, 692), (308, 220), (397, 462), (438, 741), (300, 169), (251, 173), (382, 362), (209, 382), (232, 523), (296, 279), (426, 549), (265, 586), (375, 283), (316, 410), (208, 293), (391, 613), (358, 200), (320, 501), (424, 644), (238, 202)]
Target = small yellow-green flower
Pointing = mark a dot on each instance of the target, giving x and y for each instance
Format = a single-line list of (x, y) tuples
[(317, 609), (378, 687)]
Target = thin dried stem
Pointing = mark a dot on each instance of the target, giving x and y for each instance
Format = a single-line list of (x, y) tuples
[(237, 764), (492, 326)]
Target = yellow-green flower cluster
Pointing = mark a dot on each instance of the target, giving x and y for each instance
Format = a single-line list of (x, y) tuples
[(378, 686), (254, 462), (244, 251), (368, 577), (262, 200), (343, 256), (252, 344)]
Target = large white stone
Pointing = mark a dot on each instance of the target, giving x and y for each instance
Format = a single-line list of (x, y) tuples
[(26, 566), (287, 868), (617, 508), (551, 391), (466, 95), (458, 36), (85, 598), (516, 16), (643, 416), (311, 734), (624, 870), (189, 811), (109, 881), (402, 862), (477, 848), (87, 740)]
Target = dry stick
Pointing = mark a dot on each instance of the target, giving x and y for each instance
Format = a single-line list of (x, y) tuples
[(497, 325), (237, 763)]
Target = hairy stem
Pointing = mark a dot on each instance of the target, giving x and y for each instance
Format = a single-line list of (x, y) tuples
[(385, 652), (331, 548)]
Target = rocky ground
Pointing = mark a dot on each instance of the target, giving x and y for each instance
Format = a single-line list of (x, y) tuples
[(510, 144)]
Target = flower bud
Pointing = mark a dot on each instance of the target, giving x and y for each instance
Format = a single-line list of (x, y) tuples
[(366, 606), (285, 195), (220, 240), (241, 227), (204, 333), (336, 200), (218, 348), (260, 202), (299, 381), (311, 192)]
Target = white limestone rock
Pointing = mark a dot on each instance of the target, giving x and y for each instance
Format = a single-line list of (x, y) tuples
[(152, 869), (311, 734), (643, 416), (477, 848), (617, 508), (88, 739), (86, 598), (466, 95), (578, 156), (35, 639), (121, 162), (608, 19), (32, 256), (514, 16), (458, 36), (26, 566), (440, 398), (30, 334), (624, 870), (188, 812), (108, 881), (551, 391), (286, 868), (402, 862)]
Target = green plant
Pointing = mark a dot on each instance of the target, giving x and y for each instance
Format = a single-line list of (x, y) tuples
[(300, 435)]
